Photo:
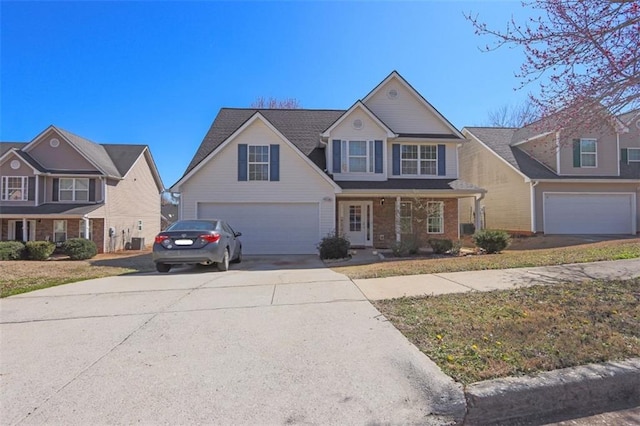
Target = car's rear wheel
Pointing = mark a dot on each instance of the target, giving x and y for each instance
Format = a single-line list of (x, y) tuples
[(162, 267), (238, 259), (224, 265)]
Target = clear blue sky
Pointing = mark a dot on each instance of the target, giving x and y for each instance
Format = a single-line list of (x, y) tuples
[(157, 73)]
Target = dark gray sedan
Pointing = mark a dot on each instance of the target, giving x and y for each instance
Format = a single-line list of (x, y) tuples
[(197, 241)]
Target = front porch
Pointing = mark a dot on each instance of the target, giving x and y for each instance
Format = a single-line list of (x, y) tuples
[(381, 221), (57, 230)]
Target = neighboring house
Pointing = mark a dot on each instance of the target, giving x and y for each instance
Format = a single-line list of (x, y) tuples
[(540, 180), (61, 186), (169, 213), (381, 171)]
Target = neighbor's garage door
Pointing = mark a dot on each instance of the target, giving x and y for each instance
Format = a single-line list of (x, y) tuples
[(269, 228), (588, 213)]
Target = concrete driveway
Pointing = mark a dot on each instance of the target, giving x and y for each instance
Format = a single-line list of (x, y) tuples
[(273, 341)]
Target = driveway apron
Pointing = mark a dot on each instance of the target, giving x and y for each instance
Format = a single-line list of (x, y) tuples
[(272, 341)]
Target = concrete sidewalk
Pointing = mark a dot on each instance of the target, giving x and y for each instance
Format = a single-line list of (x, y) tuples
[(497, 279)]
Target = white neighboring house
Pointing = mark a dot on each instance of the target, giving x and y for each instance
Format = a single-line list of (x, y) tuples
[(381, 171)]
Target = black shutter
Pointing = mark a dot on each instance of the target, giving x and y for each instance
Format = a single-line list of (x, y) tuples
[(56, 186), (337, 156), (624, 156), (378, 156), (395, 159), (274, 163), (31, 189), (242, 161), (576, 153), (92, 189), (442, 160)]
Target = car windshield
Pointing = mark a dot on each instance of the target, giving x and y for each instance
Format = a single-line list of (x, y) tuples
[(193, 225)]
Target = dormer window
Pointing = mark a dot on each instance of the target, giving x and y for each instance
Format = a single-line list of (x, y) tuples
[(358, 157)]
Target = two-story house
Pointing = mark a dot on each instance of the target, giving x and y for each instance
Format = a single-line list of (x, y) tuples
[(61, 186), (546, 180), (381, 171)]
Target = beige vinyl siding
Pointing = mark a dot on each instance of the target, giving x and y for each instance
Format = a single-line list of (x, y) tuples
[(345, 131), (508, 200), (405, 113), (582, 187), (544, 150), (631, 139), (607, 155), (64, 157), (134, 198), (217, 180)]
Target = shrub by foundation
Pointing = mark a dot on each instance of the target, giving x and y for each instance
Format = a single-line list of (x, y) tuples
[(39, 250), (79, 248)]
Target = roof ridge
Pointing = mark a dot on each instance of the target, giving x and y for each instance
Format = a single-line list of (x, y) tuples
[(281, 109)]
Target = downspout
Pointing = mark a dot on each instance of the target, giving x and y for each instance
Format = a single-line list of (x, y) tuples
[(533, 205), (478, 218), (397, 219)]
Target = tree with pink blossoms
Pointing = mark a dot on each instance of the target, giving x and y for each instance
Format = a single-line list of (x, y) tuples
[(582, 54)]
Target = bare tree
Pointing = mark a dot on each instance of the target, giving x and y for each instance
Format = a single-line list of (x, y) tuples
[(273, 103), (583, 53), (513, 115)]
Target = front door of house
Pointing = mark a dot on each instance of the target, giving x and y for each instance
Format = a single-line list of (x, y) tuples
[(356, 222), (16, 230)]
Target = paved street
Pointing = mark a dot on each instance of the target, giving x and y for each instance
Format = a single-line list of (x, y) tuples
[(271, 341)]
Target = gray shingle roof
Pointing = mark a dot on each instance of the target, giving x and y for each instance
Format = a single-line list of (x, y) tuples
[(417, 184), (498, 139), (111, 159), (627, 117), (93, 151), (59, 208), (302, 127)]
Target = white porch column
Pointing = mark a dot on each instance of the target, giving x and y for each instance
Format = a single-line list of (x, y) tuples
[(25, 229), (397, 221), (478, 210), (85, 224)]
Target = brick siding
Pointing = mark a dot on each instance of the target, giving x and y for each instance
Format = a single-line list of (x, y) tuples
[(44, 230), (384, 231)]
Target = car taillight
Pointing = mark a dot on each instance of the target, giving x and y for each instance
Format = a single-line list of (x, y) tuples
[(161, 238), (210, 238)]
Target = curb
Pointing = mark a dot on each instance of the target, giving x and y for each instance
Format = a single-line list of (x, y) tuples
[(555, 395)]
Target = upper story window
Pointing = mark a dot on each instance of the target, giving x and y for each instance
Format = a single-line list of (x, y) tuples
[(633, 155), (73, 189), (357, 157), (258, 162), (588, 155), (15, 188), (419, 159)]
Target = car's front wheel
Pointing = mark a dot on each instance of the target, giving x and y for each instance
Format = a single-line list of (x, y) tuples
[(224, 264), (162, 267)]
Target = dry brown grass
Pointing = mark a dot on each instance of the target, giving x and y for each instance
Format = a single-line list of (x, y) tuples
[(480, 336), (521, 258), (20, 276)]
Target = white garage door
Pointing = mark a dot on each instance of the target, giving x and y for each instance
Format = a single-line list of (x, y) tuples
[(270, 228), (588, 213)]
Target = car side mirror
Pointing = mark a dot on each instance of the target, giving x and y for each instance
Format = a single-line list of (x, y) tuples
[(237, 234)]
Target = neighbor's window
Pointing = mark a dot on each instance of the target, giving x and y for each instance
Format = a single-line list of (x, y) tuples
[(73, 189), (258, 162), (406, 218), (357, 156), (59, 231), (435, 217), (419, 159), (139, 225), (14, 188), (588, 153), (633, 155), (81, 227)]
